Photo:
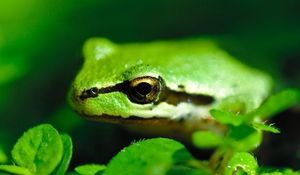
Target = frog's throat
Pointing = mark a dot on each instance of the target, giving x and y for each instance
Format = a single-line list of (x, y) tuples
[(166, 95)]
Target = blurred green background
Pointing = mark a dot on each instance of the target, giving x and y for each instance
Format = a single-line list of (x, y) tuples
[(40, 53)]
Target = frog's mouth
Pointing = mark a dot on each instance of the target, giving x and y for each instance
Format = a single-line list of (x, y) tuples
[(132, 120), (157, 126)]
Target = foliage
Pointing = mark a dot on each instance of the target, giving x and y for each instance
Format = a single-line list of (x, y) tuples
[(42, 150), (40, 43), (39, 151)]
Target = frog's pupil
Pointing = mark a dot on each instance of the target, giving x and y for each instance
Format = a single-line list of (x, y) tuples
[(143, 88)]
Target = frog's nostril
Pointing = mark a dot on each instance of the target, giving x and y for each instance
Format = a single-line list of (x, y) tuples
[(93, 92)]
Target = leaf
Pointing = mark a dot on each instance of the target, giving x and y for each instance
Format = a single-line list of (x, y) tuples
[(227, 117), (90, 169), (290, 172), (276, 171), (242, 162), (206, 139), (265, 127), (148, 157), (273, 173), (40, 149), (267, 170), (3, 157), (185, 170), (243, 138), (278, 103), (72, 173), (12, 169), (68, 146), (12, 68)]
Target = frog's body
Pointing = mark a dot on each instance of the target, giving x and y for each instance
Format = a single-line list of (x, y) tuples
[(194, 76)]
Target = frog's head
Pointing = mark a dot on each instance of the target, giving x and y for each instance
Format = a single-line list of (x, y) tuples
[(119, 83)]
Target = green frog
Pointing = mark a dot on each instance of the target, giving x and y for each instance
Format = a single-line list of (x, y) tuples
[(165, 85)]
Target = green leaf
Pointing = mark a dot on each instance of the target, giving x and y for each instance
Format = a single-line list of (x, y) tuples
[(68, 146), (149, 157), (206, 139), (276, 171), (227, 117), (12, 169), (273, 173), (278, 103), (3, 157), (267, 170), (72, 173), (12, 68), (264, 127), (290, 172), (241, 162), (90, 169), (40, 149), (185, 170), (243, 138)]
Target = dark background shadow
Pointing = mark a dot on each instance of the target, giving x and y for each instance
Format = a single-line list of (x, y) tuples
[(40, 53)]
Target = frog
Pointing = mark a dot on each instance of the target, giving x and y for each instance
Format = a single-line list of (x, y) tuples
[(165, 86)]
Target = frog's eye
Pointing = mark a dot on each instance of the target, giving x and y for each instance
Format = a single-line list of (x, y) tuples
[(144, 89)]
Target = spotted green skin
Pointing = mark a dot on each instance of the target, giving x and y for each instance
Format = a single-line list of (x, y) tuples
[(197, 64)]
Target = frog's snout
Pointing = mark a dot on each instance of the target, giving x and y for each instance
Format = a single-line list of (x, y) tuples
[(90, 93), (79, 96), (74, 97)]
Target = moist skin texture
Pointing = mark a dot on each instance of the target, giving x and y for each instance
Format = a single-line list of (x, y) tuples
[(196, 76)]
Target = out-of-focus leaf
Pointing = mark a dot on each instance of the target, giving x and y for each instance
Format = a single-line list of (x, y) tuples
[(273, 173), (12, 69), (206, 139), (278, 102), (290, 172), (3, 157), (276, 171), (40, 149), (73, 173), (243, 138), (63, 114), (226, 117)]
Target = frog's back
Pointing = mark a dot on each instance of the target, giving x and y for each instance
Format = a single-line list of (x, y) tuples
[(192, 66), (199, 66)]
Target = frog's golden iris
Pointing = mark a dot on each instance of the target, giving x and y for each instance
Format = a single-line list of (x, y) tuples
[(145, 89)]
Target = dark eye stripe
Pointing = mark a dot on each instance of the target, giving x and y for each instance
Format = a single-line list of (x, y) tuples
[(90, 93), (167, 95), (174, 98)]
